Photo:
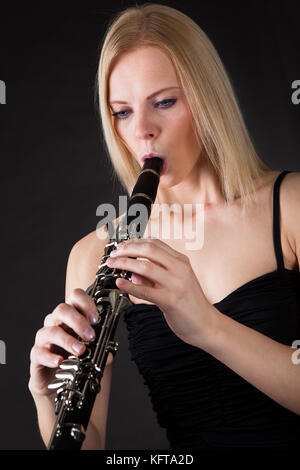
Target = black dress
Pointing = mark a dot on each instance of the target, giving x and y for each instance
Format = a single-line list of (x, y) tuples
[(201, 402)]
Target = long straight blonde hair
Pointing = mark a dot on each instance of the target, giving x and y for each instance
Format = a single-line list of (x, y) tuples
[(217, 120)]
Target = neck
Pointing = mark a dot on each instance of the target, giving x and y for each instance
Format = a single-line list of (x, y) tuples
[(200, 187)]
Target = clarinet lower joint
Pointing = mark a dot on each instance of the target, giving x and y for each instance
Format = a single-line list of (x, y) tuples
[(78, 379)]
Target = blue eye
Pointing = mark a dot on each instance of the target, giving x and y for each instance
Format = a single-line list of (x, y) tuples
[(118, 115), (166, 101), (172, 101)]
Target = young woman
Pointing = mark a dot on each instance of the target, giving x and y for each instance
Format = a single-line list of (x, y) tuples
[(211, 327)]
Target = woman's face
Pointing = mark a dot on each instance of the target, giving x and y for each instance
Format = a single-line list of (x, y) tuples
[(150, 120)]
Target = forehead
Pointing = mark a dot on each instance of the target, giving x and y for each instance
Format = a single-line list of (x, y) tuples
[(143, 67)]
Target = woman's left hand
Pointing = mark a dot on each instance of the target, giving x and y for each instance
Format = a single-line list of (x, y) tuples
[(165, 277)]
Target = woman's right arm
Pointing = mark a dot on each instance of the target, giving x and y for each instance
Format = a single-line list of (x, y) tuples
[(55, 341)]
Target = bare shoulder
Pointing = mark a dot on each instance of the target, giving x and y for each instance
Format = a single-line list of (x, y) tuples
[(290, 204), (85, 257)]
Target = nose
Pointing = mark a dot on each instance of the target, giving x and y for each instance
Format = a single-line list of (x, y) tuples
[(145, 128)]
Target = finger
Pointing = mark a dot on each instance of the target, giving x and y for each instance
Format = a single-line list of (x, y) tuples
[(55, 335), (144, 268), (156, 242), (84, 303), (157, 296), (43, 357), (68, 315), (141, 280), (150, 251), (140, 291)]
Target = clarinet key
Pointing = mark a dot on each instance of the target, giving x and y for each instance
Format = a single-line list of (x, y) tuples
[(69, 364), (56, 384), (65, 375)]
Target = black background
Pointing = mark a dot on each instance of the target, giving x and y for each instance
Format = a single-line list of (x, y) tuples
[(54, 172)]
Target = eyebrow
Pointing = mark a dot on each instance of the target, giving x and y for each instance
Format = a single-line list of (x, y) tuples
[(148, 97)]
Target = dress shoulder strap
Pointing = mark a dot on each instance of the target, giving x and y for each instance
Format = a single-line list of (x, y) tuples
[(276, 220)]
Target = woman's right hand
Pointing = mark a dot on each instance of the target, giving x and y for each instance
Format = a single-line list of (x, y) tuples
[(56, 340)]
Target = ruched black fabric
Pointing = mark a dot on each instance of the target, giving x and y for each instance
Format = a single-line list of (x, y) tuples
[(201, 402)]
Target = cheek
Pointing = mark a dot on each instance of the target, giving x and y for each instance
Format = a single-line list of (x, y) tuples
[(118, 129), (183, 126), (123, 134)]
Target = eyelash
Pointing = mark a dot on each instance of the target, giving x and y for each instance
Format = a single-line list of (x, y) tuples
[(172, 100)]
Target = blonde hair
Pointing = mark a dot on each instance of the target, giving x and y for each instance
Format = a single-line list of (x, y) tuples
[(217, 120)]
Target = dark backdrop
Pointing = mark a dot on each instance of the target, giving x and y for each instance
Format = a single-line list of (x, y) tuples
[(54, 172)]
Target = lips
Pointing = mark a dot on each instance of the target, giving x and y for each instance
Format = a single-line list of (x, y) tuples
[(150, 155)]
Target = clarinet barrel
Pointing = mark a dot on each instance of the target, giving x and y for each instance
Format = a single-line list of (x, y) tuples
[(78, 379)]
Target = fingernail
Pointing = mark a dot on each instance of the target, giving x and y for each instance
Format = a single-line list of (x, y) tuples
[(88, 333), (120, 245), (78, 347), (94, 317), (113, 253), (56, 361)]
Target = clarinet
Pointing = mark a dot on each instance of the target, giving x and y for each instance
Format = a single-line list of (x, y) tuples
[(78, 379)]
